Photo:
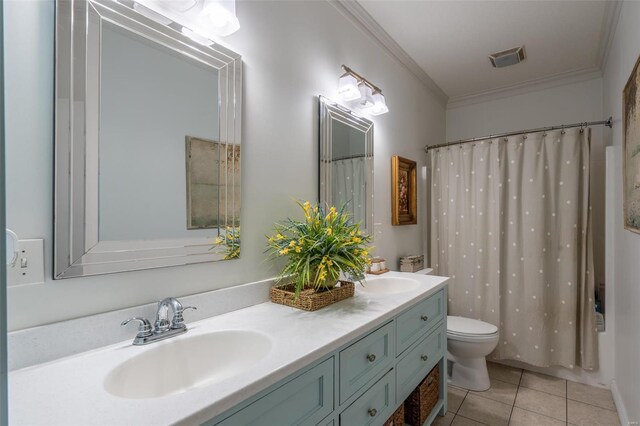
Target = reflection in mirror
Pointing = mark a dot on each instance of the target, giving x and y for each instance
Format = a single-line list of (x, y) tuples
[(346, 162), (148, 152)]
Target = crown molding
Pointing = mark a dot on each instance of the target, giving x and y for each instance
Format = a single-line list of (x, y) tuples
[(561, 79), (609, 25), (353, 11)]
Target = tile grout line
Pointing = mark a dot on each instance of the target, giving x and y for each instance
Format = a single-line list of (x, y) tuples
[(516, 396), (566, 402)]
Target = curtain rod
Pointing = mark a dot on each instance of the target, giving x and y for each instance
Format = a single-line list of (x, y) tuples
[(608, 123)]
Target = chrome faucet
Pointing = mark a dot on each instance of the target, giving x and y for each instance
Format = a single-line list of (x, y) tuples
[(163, 328)]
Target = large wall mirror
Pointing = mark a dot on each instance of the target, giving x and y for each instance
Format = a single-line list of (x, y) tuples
[(346, 162), (147, 143)]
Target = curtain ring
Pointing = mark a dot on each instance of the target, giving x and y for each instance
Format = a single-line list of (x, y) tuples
[(524, 136), (506, 139), (544, 134)]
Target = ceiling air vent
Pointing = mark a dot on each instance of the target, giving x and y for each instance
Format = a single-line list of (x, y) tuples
[(507, 57)]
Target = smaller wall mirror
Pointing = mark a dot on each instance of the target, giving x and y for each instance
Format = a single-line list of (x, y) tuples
[(346, 162)]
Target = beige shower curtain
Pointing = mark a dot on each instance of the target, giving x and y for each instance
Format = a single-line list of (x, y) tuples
[(511, 226)]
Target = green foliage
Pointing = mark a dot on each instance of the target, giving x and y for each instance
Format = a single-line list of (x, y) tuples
[(318, 248), (229, 243)]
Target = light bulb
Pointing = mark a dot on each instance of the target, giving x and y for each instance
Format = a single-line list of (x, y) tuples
[(220, 18), (348, 88), (379, 104)]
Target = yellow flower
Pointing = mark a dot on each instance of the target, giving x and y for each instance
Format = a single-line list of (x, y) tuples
[(301, 241), (329, 262), (306, 205), (352, 233), (357, 240), (329, 231), (292, 243), (219, 240), (364, 253), (279, 237), (298, 249), (356, 252), (284, 251)]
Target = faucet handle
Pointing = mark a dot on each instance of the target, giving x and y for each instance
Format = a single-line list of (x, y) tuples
[(178, 319), (144, 329)]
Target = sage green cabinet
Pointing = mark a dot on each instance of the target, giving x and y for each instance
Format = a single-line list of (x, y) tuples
[(361, 383), (365, 359), (305, 400), (374, 407)]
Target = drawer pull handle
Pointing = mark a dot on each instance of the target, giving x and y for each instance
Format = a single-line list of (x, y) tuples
[(372, 412), (371, 357), (424, 357), (424, 318)]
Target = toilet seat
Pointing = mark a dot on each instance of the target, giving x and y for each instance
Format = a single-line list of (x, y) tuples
[(470, 330)]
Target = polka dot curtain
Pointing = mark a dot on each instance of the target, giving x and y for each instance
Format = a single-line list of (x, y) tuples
[(511, 226), (348, 186)]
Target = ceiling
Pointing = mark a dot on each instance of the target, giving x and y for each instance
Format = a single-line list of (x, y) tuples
[(450, 40)]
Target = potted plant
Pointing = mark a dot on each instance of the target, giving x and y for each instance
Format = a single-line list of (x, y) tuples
[(318, 250)]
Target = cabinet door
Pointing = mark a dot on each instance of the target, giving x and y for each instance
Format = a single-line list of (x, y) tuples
[(365, 359), (414, 323), (374, 407), (419, 360), (305, 400)]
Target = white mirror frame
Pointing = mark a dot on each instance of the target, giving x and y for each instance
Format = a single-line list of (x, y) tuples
[(329, 113), (77, 249)]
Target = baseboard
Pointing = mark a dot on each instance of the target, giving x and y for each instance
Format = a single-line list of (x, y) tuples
[(617, 399)]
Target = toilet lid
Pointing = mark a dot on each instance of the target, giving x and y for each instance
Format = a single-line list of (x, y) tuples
[(462, 325)]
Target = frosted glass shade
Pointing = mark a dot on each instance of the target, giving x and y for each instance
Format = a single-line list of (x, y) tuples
[(366, 97), (219, 17), (379, 104), (348, 88)]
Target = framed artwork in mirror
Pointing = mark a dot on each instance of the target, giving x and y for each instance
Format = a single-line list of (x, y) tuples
[(631, 150), (403, 191)]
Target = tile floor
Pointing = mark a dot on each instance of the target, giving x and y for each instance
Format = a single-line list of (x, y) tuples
[(524, 398)]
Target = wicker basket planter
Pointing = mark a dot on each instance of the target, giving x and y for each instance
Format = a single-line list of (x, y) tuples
[(422, 400), (310, 299), (397, 419)]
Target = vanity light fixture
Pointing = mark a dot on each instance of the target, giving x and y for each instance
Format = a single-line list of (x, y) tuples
[(352, 87), (221, 16), (207, 19), (379, 104), (366, 96), (348, 88)]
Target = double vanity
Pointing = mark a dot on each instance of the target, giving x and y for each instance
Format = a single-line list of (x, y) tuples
[(352, 363)]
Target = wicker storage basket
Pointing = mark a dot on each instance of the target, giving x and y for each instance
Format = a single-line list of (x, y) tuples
[(309, 299), (422, 400), (397, 419)]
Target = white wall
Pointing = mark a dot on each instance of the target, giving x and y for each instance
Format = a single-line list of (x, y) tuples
[(622, 57), (292, 51)]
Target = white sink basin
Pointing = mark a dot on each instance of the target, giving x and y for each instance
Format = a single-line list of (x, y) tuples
[(388, 285), (183, 363)]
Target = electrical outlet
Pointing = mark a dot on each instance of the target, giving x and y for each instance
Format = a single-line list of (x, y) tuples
[(29, 267)]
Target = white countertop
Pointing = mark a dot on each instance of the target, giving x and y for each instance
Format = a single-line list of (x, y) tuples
[(70, 391)]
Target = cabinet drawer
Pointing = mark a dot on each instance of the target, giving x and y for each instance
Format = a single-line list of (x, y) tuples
[(374, 407), (363, 360), (305, 400), (418, 361), (414, 323)]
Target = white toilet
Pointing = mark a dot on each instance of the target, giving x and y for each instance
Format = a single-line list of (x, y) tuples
[(469, 341)]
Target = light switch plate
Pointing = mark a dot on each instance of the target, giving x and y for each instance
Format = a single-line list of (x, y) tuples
[(29, 267)]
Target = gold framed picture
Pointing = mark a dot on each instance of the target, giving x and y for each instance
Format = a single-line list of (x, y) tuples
[(403, 191), (631, 150)]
